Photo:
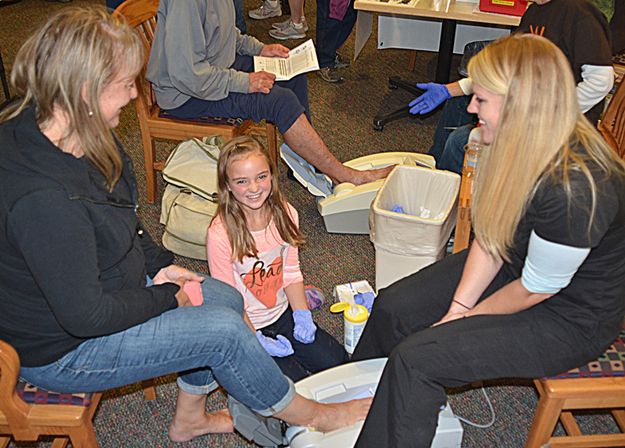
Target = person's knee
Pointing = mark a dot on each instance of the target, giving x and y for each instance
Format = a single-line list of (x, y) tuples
[(219, 293), (453, 153), (283, 108)]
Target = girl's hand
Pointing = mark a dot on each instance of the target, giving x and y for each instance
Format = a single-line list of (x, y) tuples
[(278, 347), (305, 329), (175, 274)]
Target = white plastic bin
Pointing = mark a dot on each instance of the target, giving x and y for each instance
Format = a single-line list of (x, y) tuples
[(406, 242)]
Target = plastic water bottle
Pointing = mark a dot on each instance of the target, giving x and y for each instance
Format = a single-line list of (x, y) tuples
[(472, 150), (355, 318)]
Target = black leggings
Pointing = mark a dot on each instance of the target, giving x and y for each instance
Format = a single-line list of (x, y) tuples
[(423, 361), (321, 354)]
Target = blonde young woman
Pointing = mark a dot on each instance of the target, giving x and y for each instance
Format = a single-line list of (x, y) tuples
[(87, 299), (541, 289)]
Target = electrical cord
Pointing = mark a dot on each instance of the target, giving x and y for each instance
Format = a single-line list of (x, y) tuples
[(480, 425)]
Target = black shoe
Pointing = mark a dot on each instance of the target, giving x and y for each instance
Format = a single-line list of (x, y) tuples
[(339, 62), (330, 74)]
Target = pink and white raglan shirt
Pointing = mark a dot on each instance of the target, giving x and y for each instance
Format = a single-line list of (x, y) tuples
[(260, 280)]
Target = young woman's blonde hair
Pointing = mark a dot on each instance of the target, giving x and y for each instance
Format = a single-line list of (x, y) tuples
[(230, 212), (65, 65), (539, 131)]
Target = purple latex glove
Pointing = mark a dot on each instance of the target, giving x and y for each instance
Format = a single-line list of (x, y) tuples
[(365, 299), (434, 95), (305, 328), (279, 347)]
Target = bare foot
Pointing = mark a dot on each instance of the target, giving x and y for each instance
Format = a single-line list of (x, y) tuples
[(338, 415), (363, 177), (184, 429)]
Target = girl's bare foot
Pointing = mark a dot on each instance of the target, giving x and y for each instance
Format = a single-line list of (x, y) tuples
[(184, 428)]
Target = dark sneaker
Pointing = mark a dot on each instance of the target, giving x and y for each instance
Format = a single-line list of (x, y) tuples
[(330, 74), (339, 62)]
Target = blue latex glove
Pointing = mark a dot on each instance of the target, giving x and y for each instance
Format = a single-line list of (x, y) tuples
[(365, 299), (279, 347), (434, 95), (305, 328)]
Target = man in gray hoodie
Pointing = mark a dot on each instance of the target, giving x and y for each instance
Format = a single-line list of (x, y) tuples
[(201, 65)]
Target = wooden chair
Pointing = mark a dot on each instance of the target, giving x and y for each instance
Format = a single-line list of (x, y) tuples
[(612, 125), (27, 413), (141, 14), (27, 422)]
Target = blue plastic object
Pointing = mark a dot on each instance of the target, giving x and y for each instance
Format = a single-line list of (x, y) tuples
[(279, 347), (435, 95), (365, 299), (398, 209), (304, 329)]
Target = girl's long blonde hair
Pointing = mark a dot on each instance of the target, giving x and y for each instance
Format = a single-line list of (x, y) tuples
[(540, 127), (74, 55), (241, 240)]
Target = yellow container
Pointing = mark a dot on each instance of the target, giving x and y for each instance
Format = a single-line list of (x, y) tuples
[(355, 318)]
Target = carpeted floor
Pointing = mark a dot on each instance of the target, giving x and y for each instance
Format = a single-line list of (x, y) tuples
[(342, 115)]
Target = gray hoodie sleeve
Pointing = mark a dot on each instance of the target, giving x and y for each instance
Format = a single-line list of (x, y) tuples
[(195, 48)]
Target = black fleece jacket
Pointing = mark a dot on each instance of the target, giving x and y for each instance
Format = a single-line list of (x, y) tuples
[(73, 257)]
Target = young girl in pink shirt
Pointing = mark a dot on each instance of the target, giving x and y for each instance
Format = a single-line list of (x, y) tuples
[(252, 244)]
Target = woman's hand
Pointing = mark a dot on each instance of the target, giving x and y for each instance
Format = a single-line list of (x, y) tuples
[(175, 274), (275, 51), (449, 317), (456, 311)]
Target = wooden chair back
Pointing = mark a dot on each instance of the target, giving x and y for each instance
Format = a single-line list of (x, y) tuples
[(612, 125), (141, 14)]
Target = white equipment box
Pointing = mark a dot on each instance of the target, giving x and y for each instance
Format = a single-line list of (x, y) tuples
[(345, 207)]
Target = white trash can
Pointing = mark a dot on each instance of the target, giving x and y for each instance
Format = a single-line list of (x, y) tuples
[(406, 242)]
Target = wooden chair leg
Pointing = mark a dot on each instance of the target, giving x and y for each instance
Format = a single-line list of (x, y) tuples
[(412, 63), (570, 425), (60, 442), (149, 391), (544, 422), (272, 142), (4, 441), (149, 154), (84, 437), (619, 416)]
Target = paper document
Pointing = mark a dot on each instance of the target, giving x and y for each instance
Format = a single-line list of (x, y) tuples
[(301, 59)]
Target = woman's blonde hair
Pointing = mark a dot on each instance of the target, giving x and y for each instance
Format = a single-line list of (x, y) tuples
[(539, 131), (76, 54), (229, 209)]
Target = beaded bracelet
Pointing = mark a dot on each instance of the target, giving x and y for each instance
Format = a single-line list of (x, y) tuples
[(461, 304)]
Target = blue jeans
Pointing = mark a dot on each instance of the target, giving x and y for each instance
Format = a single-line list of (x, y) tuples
[(454, 115), (453, 154), (282, 106), (208, 344), (332, 33), (240, 16)]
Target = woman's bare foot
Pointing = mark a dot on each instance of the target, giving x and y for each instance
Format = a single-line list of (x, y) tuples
[(324, 417), (184, 427)]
